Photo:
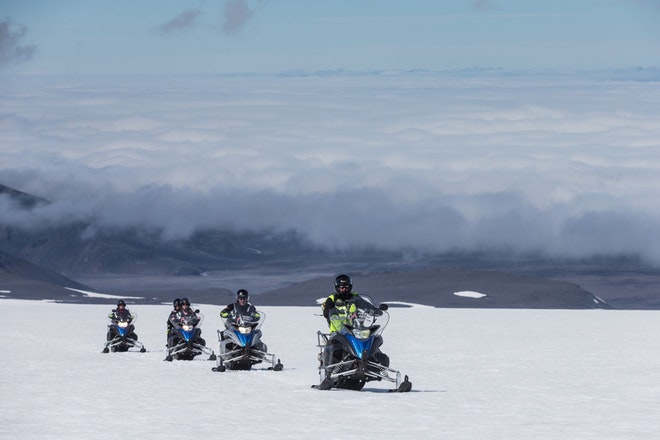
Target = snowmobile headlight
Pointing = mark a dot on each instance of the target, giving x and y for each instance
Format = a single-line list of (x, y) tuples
[(244, 330), (187, 327), (361, 333), (122, 324)]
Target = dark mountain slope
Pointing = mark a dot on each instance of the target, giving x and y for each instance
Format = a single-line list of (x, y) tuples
[(437, 287), (22, 279)]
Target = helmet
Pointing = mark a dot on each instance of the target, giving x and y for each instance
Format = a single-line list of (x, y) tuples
[(121, 303), (185, 302), (176, 303), (242, 294), (343, 280)]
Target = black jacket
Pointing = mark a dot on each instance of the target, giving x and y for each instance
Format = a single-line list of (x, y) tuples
[(238, 309)]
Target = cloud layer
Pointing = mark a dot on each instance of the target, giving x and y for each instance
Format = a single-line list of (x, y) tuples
[(563, 164)]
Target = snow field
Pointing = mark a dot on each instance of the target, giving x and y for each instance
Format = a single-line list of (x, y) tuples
[(476, 374)]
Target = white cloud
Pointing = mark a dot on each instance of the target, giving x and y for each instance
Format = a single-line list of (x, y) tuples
[(564, 164)]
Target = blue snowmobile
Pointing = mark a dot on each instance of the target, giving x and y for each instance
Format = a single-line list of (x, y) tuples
[(241, 346), (121, 336), (351, 357), (185, 340)]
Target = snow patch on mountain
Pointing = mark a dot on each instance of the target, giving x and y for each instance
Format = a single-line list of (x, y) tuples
[(470, 294)]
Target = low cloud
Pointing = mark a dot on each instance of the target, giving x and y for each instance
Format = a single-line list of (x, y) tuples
[(484, 5), (562, 165), (235, 15), (12, 48), (183, 21)]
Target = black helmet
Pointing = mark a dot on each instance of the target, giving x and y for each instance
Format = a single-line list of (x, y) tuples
[(242, 294), (343, 280), (121, 303), (185, 302), (176, 303)]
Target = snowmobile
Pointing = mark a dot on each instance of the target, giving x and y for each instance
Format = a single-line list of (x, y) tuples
[(241, 346), (351, 357), (121, 336), (185, 341)]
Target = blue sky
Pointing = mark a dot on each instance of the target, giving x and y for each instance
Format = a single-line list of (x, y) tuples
[(266, 36)]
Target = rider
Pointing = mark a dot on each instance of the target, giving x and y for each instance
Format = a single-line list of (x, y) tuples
[(185, 312), (176, 306), (242, 307), (121, 313), (340, 308)]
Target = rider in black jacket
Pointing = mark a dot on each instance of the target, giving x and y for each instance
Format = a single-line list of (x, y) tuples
[(121, 313)]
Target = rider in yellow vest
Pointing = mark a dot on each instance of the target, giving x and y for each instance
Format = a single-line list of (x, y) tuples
[(335, 307), (340, 308), (341, 314)]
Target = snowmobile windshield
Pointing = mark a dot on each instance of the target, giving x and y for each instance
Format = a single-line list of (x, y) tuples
[(244, 323), (363, 302), (368, 319), (246, 320), (189, 322), (121, 320)]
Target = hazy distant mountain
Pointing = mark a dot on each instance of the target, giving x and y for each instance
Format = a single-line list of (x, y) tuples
[(22, 279), (51, 258), (24, 200), (440, 287), (85, 248), (448, 287)]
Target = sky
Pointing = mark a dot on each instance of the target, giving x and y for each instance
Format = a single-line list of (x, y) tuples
[(263, 36), (476, 374), (518, 127)]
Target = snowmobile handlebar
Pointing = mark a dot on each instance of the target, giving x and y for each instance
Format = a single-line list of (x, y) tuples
[(115, 320), (368, 317), (236, 320)]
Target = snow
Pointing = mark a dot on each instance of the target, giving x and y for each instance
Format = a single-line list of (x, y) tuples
[(102, 295), (470, 294), (476, 374)]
